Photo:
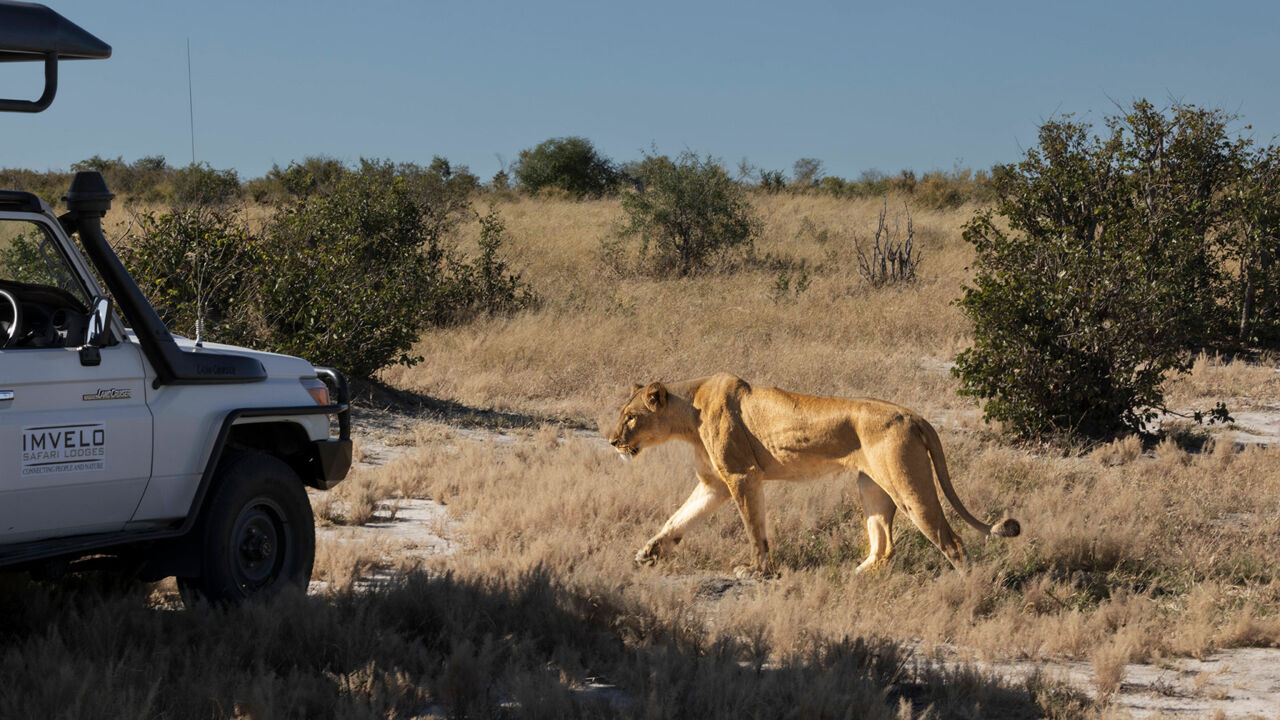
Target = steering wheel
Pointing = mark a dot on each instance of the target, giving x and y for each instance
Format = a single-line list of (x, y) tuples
[(15, 326)]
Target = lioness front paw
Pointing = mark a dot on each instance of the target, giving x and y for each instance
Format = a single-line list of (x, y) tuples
[(751, 572), (647, 555)]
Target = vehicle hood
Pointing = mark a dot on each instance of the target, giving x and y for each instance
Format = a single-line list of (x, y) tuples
[(275, 364)]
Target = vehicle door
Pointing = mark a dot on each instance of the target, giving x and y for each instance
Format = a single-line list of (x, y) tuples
[(75, 437)]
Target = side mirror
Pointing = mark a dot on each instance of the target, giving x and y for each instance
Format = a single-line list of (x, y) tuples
[(98, 334)]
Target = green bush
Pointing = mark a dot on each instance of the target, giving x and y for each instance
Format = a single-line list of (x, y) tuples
[(148, 178), (314, 174), (50, 185), (500, 182), (194, 264), (936, 188), (483, 286), (441, 191), (773, 181), (1097, 270), (199, 184), (689, 210), (348, 276), (570, 164), (1254, 226)]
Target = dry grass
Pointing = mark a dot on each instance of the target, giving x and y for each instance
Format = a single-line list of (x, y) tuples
[(1128, 553), (1108, 669), (344, 560)]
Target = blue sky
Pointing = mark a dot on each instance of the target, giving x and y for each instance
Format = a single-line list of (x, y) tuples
[(924, 85)]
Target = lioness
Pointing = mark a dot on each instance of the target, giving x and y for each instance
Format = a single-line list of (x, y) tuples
[(743, 436)]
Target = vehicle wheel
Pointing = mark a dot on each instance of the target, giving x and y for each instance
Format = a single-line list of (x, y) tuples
[(257, 536)]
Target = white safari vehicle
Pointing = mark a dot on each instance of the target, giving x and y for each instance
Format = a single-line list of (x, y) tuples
[(124, 446)]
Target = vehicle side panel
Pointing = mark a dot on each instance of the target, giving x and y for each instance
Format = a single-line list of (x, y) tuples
[(75, 442)]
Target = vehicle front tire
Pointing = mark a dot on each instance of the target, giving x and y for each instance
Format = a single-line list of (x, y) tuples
[(257, 534)]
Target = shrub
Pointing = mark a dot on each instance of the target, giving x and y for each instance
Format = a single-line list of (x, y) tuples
[(773, 181), (441, 191), (147, 178), (194, 265), (1093, 273), (571, 164), (483, 286), (50, 185), (199, 184), (807, 172), (315, 174), (891, 258), (1254, 229), (689, 210), (347, 275)]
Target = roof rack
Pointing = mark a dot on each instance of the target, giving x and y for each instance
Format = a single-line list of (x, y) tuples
[(19, 201), (31, 32)]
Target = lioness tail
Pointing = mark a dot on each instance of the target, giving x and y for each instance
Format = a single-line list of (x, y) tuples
[(1007, 527)]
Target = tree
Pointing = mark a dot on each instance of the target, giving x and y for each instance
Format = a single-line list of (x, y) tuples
[(571, 164), (806, 172), (1254, 202), (688, 210)]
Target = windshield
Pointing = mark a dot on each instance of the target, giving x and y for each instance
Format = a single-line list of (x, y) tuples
[(29, 255)]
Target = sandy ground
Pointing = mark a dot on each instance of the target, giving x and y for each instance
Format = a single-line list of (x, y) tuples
[(1258, 425), (1235, 683), (1238, 683)]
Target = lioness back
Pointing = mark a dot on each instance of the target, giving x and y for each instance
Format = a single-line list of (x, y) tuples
[(813, 430)]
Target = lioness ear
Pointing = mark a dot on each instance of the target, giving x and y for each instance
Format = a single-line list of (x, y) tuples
[(635, 388), (655, 396)]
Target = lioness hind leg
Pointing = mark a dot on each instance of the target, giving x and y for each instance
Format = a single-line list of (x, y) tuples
[(879, 509), (910, 476), (705, 498), (933, 524)]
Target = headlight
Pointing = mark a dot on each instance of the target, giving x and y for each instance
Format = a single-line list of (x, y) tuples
[(319, 391)]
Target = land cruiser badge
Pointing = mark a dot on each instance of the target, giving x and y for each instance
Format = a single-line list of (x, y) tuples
[(109, 394)]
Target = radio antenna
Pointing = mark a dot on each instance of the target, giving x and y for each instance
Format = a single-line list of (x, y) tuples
[(191, 104)]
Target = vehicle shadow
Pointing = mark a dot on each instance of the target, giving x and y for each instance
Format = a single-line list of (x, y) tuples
[(371, 395), (438, 645)]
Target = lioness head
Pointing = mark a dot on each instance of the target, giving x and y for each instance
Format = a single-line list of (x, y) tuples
[(642, 421)]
